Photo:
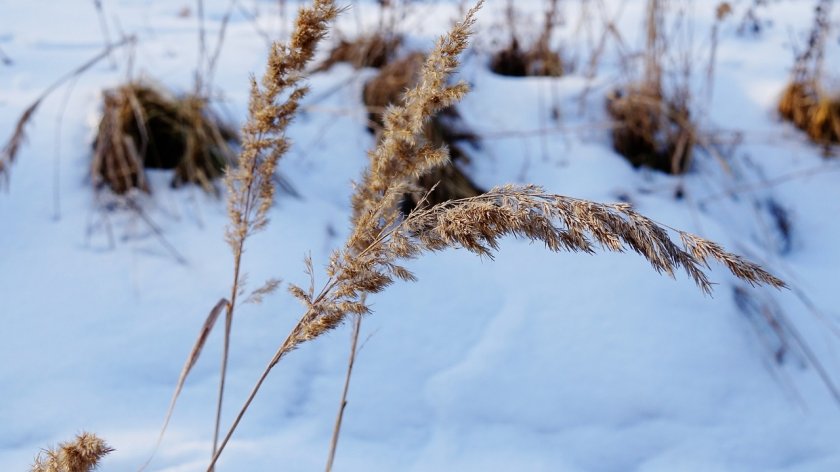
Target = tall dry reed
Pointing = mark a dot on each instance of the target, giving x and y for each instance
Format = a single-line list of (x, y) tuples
[(250, 185)]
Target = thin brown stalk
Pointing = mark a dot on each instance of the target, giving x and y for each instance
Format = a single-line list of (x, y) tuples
[(195, 353), (351, 360), (220, 42), (251, 185), (202, 46)]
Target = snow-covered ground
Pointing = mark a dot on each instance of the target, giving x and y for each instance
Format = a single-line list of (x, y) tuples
[(534, 361)]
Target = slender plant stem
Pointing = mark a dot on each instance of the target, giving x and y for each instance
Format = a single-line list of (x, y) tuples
[(226, 347), (357, 324), (287, 346)]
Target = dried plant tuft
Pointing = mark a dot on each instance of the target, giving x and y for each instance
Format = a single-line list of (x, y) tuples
[(652, 122), (81, 455), (538, 60), (804, 102), (651, 130), (812, 110), (144, 127)]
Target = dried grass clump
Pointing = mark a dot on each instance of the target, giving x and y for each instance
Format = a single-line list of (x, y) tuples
[(374, 50), (445, 129), (652, 121), (651, 131), (539, 60), (812, 111), (143, 127), (804, 102), (81, 455)]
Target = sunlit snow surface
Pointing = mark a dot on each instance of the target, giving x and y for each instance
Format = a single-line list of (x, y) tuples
[(534, 361)]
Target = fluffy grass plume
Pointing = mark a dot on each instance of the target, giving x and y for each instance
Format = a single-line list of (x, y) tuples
[(80, 455), (251, 188), (444, 129)]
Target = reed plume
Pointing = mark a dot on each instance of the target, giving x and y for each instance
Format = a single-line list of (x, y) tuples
[(80, 455), (250, 185)]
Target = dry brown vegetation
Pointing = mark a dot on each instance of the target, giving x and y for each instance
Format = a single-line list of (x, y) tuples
[(653, 127), (83, 454), (650, 130), (539, 59), (144, 127), (813, 111), (804, 101), (374, 50), (382, 239)]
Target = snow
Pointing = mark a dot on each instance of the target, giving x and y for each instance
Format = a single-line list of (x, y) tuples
[(534, 361)]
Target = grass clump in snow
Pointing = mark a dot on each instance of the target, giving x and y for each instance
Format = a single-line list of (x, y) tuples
[(812, 110), (373, 49), (804, 101), (651, 130), (653, 127), (144, 127), (538, 60)]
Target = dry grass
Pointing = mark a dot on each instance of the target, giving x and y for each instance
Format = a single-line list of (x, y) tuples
[(447, 182), (381, 239), (813, 111), (143, 127), (274, 101), (537, 60), (81, 455), (273, 104), (652, 122), (651, 130), (804, 102), (373, 50)]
